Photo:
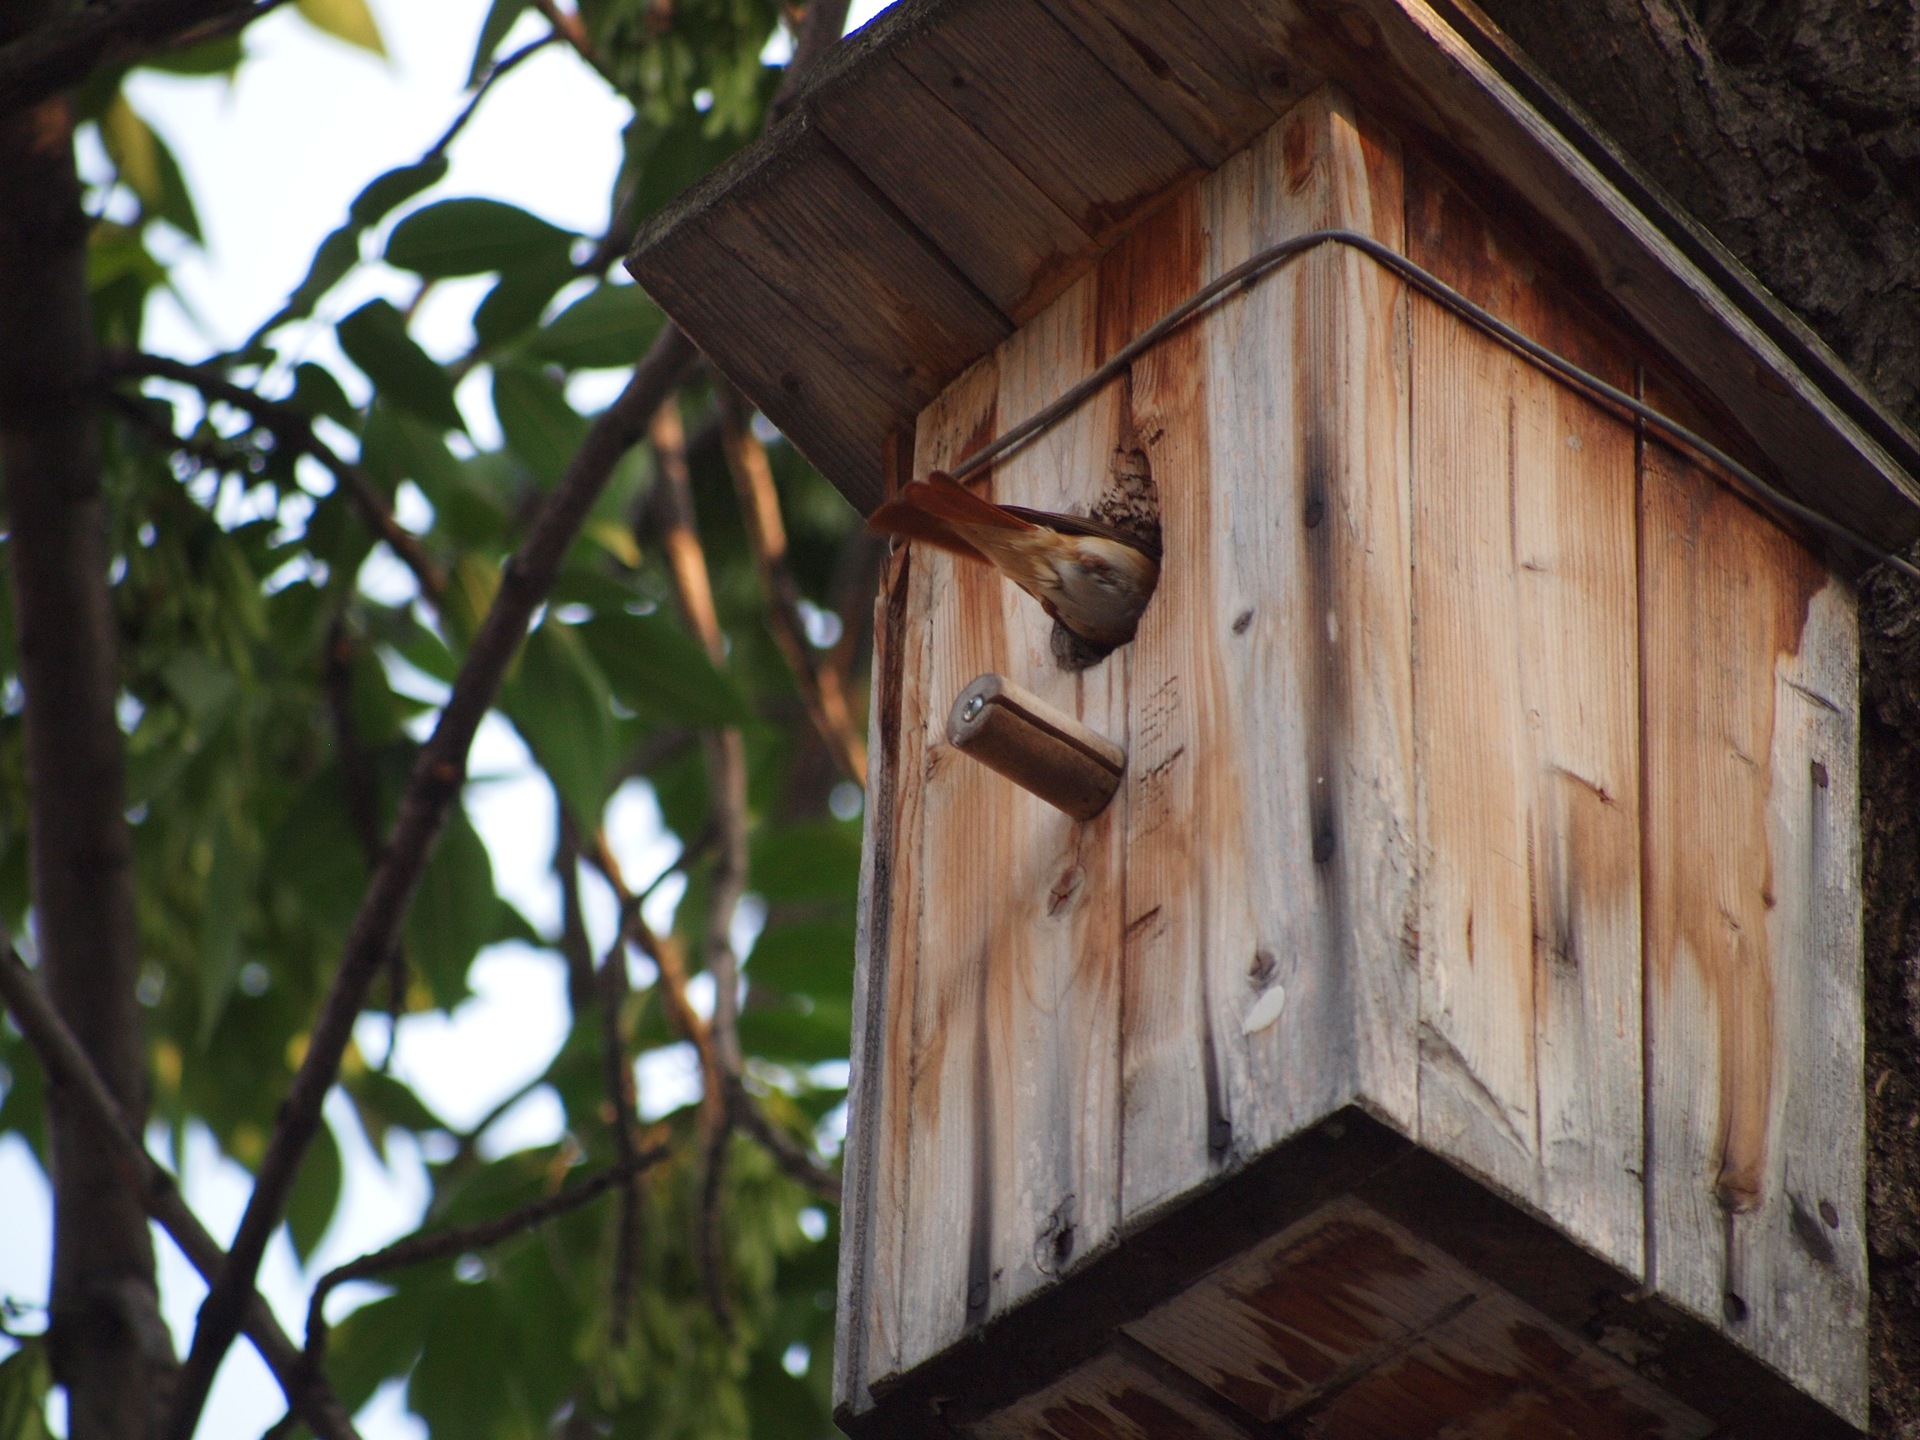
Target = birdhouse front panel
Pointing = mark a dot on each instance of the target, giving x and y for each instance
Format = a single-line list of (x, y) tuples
[(1489, 790)]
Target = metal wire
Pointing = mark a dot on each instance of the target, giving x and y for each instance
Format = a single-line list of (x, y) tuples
[(1249, 272)]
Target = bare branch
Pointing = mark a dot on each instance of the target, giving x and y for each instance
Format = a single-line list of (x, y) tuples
[(69, 1070), (425, 1246), (793, 1158), (294, 430), (617, 1076), (435, 785), (824, 23), (819, 685), (61, 52)]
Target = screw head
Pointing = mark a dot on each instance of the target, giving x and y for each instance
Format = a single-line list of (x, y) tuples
[(973, 707)]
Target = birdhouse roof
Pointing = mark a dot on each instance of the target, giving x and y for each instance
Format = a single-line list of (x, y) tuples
[(958, 163)]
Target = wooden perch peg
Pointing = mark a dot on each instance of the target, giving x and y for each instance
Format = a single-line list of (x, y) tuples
[(1041, 749)]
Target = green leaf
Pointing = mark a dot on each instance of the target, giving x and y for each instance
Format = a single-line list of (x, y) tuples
[(229, 887), (471, 237), (558, 702), (540, 427), (348, 20), (815, 958), (377, 1342), (454, 913), (500, 17), (375, 338), (316, 392), (25, 1379), (658, 669), (816, 860), (610, 325), (395, 447), (379, 195), (175, 205), (210, 57), (131, 146), (383, 1104), (337, 254), (518, 298), (798, 1035), (316, 1194)]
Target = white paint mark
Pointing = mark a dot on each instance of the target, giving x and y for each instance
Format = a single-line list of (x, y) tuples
[(1265, 1010)]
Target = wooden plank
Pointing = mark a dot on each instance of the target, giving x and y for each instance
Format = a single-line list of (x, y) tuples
[(1412, 65), (1037, 95), (1186, 894), (1803, 1275), (1312, 620), (1526, 639), (1110, 1398), (1498, 1370), (899, 312), (1053, 1023), (1214, 97), (898, 1275), (1305, 1313), (995, 225), (1752, 932), (868, 1296)]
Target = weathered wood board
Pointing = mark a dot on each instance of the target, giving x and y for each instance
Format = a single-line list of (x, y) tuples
[(1526, 642), (1753, 948), (1490, 769)]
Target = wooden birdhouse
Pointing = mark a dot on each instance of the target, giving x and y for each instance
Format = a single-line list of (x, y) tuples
[(1452, 1023)]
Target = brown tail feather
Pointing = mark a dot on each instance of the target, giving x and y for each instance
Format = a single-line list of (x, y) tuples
[(940, 494), (899, 517)]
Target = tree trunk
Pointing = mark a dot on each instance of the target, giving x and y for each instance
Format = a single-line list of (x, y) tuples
[(109, 1346), (1791, 129)]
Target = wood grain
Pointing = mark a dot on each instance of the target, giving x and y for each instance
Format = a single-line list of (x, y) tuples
[(1110, 1398), (995, 225), (1307, 410), (1054, 996), (1025, 84), (1213, 96), (1185, 891), (1752, 932), (903, 317), (1526, 651)]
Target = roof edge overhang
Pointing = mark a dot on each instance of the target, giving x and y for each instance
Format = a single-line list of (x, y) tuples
[(857, 258)]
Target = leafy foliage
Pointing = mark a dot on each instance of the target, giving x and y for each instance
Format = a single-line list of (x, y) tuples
[(272, 710)]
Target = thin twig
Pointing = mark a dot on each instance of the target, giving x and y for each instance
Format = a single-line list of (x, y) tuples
[(825, 21), (819, 686), (68, 1069), (425, 1246), (789, 1154), (294, 431), (434, 787), (574, 946), (568, 25), (617, 1076), (727, 782)]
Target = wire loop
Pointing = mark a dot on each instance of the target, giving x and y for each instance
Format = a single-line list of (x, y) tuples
[(1250, 272)]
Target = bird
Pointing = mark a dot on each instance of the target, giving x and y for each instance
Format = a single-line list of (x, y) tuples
[(1091, 577)]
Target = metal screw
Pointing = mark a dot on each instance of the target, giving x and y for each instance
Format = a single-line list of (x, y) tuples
[(973, 708)]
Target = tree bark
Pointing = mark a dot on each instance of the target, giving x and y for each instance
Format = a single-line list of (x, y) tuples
[(109, 1346), (1791, 130)]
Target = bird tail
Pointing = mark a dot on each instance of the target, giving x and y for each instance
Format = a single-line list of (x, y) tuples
[(934, 510)]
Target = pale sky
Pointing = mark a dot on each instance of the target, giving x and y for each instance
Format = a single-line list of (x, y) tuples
[(273, 161)]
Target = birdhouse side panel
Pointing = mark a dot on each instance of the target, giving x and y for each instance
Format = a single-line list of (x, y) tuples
[(1308, 567), (1526, 646), (1754, 1097)]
